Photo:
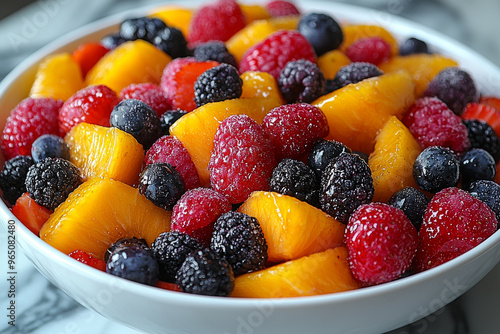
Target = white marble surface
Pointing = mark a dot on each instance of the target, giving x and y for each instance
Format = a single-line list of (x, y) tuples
[(43, 309)]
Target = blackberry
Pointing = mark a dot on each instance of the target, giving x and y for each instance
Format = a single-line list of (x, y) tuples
[(295, 178), (162, 184), (170, 250), (169, 118), (145, 28), (353, 73), (134, 263), (50, 181), (239, 239), (49, 146), (13, 176), (362, 155), (124, 242), (219, 83), (214, 50), (482, 135), (488, 192), (322, 31), (476, 164), (138, 119), (454, 87), (346, 184), (112, 41), (436, 168), (301, 81), (171, 41), (413, 202), (413, 45), (322, 152), (205, 273)]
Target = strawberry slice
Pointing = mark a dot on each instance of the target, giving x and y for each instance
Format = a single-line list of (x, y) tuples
[(168, 286), (484, 112), (32, 215), (88, 259), (490, 101), (88, 54)]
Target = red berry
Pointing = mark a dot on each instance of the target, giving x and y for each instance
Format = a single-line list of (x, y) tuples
[(491, 101), (483, 112), (242, 159), (381, 241), (272, 54), (92, 105), (32, 215), (372, 50), (88, 54), (148, 93), (169, 149), (216, 21), (447, 252), (279, 8), (196, 212), (453, 215), (88, 259), (30, 119), (168, 286), (433, 124), (294, 128)]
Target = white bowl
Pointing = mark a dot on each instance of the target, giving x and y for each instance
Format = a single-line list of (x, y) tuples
[(152, 310)]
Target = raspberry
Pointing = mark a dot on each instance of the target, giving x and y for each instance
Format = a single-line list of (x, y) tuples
[(148, 93), (216, 21), (482, 135), (346, 184), (161, 184), (214, 50), (322, 152), (30, 119), (90, 105), (372, 50), (352, 73), (49, 146), (217, 84), (239, 239), (170, 250), (294, 128), (242, 159), (454, 87), (13, 176), (272, 54), (381, 242), (453, 214), (88, 259), (476, 164), (170, 150), (433, 124), (447, 252), (169, 118), (196, 212), (487, 192), (279, 8), (322, 31), (134, 263), (172, 42), (204, 273), (413, 45), (301, 81), (413, 202), (50, 181), (436, 168), (145, 28)]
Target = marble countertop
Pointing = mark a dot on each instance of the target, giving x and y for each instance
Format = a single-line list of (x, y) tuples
[(42, 308)]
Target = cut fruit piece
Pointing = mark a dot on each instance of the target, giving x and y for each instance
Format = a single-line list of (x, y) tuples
[(32, 215), (262, 85), (254, 12), (196, 130), (98, 213), (354, 32), (483, 112), (108, 152), (292, 228), (58, 77), (132, 62), (317, 274), (422, 67), (88, 54), (174, 16), (357, 112), (289, 22), (331, 62), (247, 37), (392, 160)]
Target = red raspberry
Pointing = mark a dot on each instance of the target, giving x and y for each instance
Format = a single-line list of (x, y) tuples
[(169, 149), (447, 252), (294, 128), (196, 212), (88, 259), (433, 124), (381, 241), (281, 8), (148, 93), (272, 54), (216, 21), (370, 50), (30, 119), (242, 159), (452, 215), (92, 105)]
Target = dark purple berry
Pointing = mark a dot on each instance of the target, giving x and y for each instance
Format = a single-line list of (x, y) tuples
[(352, 73), (49, 146), (301, 81), (123, 243), (322, 31), (488, 192), (216, 51), (145, 28), (168, 119), (413, 202), (219, 83), (413, 45), (133, 263), (436, 168), (482, 135), (476, 164), (112, 41), (13, 177), (162, 184), (322, 152), (171, 41)]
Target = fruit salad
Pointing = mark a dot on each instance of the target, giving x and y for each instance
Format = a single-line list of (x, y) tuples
[(254, 151)]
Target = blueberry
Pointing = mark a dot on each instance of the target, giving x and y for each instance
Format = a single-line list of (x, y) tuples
[(322, 31), (162, 184), (488, 192), (322, 152), (134, 263), (138, 119), (49, 146), (413, 202), (413, 45), (124, 242), (477, 164), (436, 168), (169, 118), (172, 42)]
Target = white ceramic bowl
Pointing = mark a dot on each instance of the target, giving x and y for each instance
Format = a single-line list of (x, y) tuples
[(152, 310)]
